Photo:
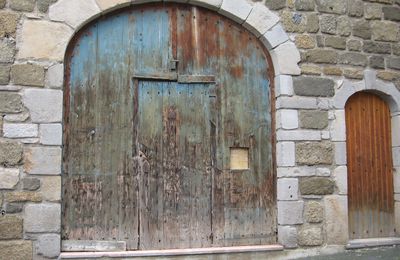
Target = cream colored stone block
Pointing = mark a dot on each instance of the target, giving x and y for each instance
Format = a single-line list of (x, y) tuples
[(260, 19), (337, 230), (73, 12), (397, 216), (43, 40), (237, 10), (210, 4), (339, 127), (106, 4), (340, 176), (50, 188), (285, 58)]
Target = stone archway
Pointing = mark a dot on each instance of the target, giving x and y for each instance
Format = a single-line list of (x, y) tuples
[(387, 92)]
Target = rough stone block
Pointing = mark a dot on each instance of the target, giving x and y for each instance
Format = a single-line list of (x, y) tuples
[(336, 219), (73, 12), (397, 213), (373, 11), (393, 63), (284, 85), (311, 153), (55, 76), (12, 208), (22, 5), (308, 69), (27, 75), (43, 160), (322, 56), (391, 13), (20, 130), (275, 4), (287, 236), (352, 73), (385, 31), (332, 6), (42, 218), (313, 86), (328, 24), (353, 58), (274, 37), (48, 245), (10, 153), (51, 188), (45, 105), (362, 29), (30, 184), (51, 134), (289, 119), (299, 22), (7, 50), (2, 3), (210, 4), (354, 45), (20, 117), (316, 186), (236, 10), (377, 47), (286, 58), (16, 249), (290, 212), (10, 102), (304, 5), (343, 26), (4, 74), (23, 196), (313, 119), (356, 8), (8, 23), (310, 236), (10, 227), (314, 212), (43, 40), (260, 20), (304, 41), (377, 62), (285, 154), (9, 178), (43, 5), (288, 189), (335, 42)]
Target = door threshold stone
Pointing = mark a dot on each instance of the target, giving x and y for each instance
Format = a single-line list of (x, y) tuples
[(372, 242), (172, 252)]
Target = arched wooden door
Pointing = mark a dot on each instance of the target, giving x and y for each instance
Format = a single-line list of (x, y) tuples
[(168, 132), (369, 162)]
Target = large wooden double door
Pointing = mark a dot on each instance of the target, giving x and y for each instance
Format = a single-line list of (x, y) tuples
[(168, 132)]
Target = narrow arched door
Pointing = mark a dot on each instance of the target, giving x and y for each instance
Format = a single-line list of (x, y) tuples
[(168, 138), (370, 167)]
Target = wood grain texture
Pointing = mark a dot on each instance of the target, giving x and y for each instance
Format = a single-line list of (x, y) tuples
[(147, 158), (369, 162)]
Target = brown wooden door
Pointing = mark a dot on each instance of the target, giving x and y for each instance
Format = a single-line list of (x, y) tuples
[(369, 162)]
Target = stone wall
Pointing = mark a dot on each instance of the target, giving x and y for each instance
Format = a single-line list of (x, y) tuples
[(338, 42)]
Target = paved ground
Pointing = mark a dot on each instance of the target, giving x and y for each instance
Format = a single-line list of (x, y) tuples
[(389, 253)]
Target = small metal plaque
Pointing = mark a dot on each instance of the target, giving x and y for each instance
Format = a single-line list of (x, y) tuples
[(239, 158)]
